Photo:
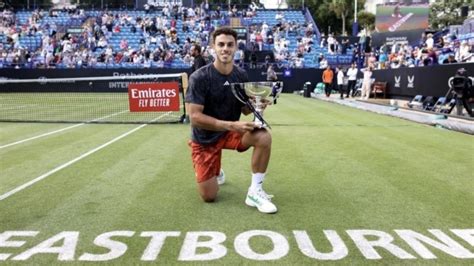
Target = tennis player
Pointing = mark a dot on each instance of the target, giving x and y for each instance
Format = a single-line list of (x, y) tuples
[(215, 125)]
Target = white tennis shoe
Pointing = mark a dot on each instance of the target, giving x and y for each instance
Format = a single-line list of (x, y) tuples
[(221, 178), (260, 200)]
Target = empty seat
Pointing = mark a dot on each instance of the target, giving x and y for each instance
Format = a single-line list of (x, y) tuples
[(379, 87), (416, 102), (438, 104), (448, 107), (428, 103)]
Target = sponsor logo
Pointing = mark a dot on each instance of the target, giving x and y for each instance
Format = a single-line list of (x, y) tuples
[(129, 74), (399, 23), (411, 81), (153, 97), (254, 199), (397, 81), (213, 245), (227, 83), (43, 80)]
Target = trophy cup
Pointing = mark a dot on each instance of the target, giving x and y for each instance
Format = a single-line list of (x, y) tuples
[(252, 94)]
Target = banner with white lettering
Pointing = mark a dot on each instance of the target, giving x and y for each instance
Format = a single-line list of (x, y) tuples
[(153, 97), (397, 23)]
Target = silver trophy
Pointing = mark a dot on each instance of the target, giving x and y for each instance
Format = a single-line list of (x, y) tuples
[(254, 94)]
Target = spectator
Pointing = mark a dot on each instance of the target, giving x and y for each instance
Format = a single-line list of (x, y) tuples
[(422, 41), (279, 17), (323, 42), (323, 62), (198, 59), (450, 60), (238, 57), (366, 83), (299, 62), (264, 30), (268, 60), (271, 74), (259, 41), (253, 40), (331, 44), (429, 43), (123, 44), (352, 78), (328, 76), (344, 46), (432, 54), (253, 60), (464, 52), (340, 81), (362, 42), (383, 58)]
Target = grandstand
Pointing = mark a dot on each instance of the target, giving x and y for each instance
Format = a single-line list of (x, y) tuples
[(150, 34)]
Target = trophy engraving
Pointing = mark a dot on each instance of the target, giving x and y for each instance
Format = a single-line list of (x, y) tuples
[(253, 95)]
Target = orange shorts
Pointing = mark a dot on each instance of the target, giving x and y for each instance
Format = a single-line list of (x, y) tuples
[(207, 158)]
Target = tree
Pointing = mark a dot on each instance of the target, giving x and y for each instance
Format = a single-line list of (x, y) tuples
[(366, 20), (445, 13), (328, 15), (341, 8)]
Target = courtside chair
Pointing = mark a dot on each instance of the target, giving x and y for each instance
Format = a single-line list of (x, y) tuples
[(428, 103), (416, 102), (379, 87), (439, 103)]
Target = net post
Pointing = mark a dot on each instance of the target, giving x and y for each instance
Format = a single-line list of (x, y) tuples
[(184, 83)]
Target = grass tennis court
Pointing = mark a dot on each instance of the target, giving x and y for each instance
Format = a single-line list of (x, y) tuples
[(333, 168)]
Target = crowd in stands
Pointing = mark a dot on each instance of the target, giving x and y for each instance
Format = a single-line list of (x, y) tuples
[(112, 38), (444, 49), (164, 38), (149, 38)]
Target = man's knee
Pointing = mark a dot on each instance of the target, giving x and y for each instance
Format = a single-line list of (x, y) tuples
[(208, 197), (263, 138), (208, 190)]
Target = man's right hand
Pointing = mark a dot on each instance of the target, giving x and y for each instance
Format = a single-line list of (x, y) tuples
[(242, 126)]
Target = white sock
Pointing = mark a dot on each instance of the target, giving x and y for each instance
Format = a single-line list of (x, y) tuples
[(257, 181)]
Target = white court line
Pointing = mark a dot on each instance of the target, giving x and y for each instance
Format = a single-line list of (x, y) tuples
[(107, 116), (41, 177), (57, 131), (13, 107), (40, 136)]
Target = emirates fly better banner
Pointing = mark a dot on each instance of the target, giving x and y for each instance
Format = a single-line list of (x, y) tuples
[(153, 97)]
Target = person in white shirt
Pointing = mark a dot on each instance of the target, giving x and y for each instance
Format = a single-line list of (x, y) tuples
[(299, 62), (366, 82), (340, 81), (464, 52), (352, 78), (331, 44), (279, 16), (429, 41), (323, 63)]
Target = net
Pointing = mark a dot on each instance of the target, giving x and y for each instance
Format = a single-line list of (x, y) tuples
[(150, 98)]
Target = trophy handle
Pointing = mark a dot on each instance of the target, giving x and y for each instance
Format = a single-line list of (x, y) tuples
[(238, 93), (257, 114), (243, 98)]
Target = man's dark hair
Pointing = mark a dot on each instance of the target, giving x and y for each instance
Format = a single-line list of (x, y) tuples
[(197, 48), (225, 31)]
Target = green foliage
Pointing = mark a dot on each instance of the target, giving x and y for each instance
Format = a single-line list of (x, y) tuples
[(366, 20), (445, 13), (330, 15)]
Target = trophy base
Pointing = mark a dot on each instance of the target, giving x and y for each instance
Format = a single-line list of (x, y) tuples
[(260, 124)]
